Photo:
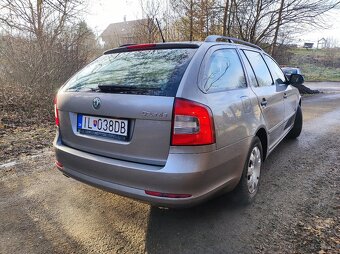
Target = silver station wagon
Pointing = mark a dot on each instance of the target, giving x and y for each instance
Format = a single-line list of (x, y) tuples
[(172, 124)]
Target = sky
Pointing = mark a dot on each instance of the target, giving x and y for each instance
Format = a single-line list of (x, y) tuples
[(101, 13), (333, 20)]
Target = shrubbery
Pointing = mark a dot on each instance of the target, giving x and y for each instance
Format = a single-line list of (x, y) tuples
[(40, 48)]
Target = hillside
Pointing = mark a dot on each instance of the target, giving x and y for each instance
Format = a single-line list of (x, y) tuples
[(316, 64)]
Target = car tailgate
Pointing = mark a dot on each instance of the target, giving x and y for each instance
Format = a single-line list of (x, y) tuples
[(149, 125)]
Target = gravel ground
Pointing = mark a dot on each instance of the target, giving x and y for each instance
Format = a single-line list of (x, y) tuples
[(296, 211), (24, 140)]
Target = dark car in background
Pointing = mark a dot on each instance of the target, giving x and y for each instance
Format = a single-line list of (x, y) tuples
[(299, 80), (288, 71)]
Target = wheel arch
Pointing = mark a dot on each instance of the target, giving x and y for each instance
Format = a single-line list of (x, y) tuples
[(262, 135)]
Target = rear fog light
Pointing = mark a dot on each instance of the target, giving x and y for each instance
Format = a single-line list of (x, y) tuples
[(59, 165), (167, 195)]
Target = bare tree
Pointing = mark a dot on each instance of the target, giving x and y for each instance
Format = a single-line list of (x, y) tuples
[(40, 18), (147, 30), (43, 43), (331, 42), (277, 28), (257, 21), (226, 15), (186, 13), (47, 25), (198, 18)]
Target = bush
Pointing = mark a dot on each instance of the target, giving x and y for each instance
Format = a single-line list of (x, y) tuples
[(32, 71)]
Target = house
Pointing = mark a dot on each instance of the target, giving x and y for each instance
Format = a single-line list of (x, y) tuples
[(308, 45), (127, 32), (322, 43)]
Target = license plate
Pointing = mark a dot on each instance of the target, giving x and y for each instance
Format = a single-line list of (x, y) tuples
[(102, 125)]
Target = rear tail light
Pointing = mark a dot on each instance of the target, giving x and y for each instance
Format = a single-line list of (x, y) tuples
[(192, 124), (167, 195), (56, 113)]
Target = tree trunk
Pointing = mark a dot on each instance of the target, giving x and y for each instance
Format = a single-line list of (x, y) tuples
[(207, 16), (225, 16), (272, 50), (231, 16), (191, 20)]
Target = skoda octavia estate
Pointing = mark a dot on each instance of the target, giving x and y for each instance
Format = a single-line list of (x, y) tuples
[(172, 124)]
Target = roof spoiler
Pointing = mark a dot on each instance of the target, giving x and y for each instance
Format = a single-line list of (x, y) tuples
[(138, 47)]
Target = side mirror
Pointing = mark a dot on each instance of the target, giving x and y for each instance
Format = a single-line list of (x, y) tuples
[(296, 79)]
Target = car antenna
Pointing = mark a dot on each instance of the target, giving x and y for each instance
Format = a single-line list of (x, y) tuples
[(160, 30)]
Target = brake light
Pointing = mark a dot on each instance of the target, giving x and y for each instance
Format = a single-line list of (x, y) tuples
[(56, 113), (167, 195), (192, 124), (141, 46)]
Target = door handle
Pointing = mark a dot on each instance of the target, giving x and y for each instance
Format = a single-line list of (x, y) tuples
[(285, 96), (264, 102)]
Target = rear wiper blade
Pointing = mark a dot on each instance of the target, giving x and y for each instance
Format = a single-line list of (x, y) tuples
[(120, 88)]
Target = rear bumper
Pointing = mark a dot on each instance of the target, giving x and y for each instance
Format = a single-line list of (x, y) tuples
[(200, 175)]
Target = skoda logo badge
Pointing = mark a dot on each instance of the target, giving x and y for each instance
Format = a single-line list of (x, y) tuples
[(96, 103)]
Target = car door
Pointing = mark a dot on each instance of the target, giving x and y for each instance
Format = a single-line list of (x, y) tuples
[(290, 95), (270, 98)]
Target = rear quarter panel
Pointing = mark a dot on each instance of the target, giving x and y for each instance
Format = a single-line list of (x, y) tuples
[(236, 112), (236, 115)]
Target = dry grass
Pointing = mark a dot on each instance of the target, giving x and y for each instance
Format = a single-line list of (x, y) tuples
[(26, 121)]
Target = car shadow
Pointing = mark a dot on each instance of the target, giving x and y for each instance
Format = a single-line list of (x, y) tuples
[(220, 225), (199, 229)]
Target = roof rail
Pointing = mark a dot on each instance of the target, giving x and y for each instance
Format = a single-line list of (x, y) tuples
[(215, 38)]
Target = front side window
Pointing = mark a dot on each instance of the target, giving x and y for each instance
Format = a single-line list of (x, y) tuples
[(224, 71), (260, 68), (277, 73)]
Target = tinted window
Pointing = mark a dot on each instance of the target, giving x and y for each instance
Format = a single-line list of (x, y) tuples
[(250, 71), (152, 72), (260, 68), (277, 73), (224, 71)]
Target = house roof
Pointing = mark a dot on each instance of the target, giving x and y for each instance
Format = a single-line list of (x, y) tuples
[(122, 29)]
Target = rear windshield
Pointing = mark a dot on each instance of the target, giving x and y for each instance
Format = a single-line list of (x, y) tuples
[(149, 72)]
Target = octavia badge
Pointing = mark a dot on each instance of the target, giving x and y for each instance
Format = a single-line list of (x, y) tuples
[(96, 103)]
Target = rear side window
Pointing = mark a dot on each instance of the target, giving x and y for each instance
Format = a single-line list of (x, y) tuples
[(260, 68), (224, 71), (249, 70), (276, 71), (148, 72)]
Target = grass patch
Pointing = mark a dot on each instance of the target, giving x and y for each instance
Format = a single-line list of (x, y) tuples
[(317, 64), (318, 73)]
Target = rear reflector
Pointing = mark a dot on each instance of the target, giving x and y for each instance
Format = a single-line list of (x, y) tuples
[(56, 113), (59, 165), (192, 124), (141, 46), (167, 195)]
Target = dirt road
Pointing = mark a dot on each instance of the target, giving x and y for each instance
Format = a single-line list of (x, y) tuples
[(296, 211)]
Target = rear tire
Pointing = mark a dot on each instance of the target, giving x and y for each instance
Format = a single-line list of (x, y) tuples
[(297, 127), (249, 183)]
